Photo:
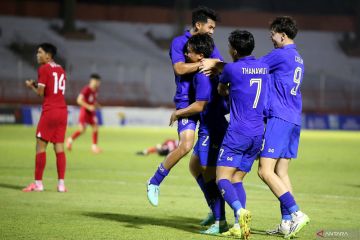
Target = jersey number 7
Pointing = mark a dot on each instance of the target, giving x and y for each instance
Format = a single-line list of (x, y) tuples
[(258, 91)]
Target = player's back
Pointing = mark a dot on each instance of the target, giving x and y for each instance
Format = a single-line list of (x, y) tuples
[(52, 77), (287, 70), (248, 78)]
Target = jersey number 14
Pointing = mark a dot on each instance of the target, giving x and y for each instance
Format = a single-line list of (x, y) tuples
[(59, 83)]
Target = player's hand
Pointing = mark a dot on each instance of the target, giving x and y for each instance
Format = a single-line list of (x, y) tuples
[(173, 118), (91, 108), (207, 66), (29, 83)]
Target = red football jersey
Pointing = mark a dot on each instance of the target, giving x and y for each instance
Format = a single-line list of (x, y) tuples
[(90, 96), (52, 77)]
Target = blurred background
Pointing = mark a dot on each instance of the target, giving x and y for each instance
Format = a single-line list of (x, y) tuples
[(127, 43)]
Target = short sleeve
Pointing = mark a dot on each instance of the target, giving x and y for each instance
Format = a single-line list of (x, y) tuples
[(85, 91), (42, 76), (202, 85), (273, 59), (177, 51), (225, 75)]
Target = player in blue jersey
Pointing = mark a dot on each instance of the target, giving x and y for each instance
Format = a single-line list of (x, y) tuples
[(212, 127), (245, 80), (282, 133), (203, 21)]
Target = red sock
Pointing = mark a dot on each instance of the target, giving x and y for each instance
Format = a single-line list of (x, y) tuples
[(40, 162), (75, 135), (61, 164), (95, 137)]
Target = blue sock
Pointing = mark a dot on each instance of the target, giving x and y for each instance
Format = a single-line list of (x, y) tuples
[(217, 203), (159, 175), (240, 190), (228, 192), (288, 201), (285, 214), (200, 181)]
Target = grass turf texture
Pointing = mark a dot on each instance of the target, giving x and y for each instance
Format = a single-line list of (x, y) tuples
[(107, 194)]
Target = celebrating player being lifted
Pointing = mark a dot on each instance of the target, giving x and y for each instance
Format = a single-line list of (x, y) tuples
[(87, 100), (203, 22), (53, 119)]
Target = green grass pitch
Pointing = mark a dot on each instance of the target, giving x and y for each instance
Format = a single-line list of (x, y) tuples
[(107, 194)]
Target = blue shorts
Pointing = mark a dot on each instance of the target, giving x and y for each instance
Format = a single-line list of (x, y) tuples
[(187, 123), (239, 151), (281, 139), (207, 149)]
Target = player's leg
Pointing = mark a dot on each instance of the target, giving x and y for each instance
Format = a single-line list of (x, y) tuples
[(95, 132), (81, 129), (185, 144), (61, 166)]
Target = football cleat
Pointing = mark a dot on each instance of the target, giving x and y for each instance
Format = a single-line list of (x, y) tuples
[(209, 219), (95, 149), (244, 217), (32, 187), (282, 229), (61, 188), (153, 194), (299, 220), (233, 232), (216, 229)]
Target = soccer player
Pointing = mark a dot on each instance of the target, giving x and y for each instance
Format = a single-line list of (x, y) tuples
[(212, 108), (245, 78), (162, 149), (203, 21), (87, 100), (53, 119), (282, 133)]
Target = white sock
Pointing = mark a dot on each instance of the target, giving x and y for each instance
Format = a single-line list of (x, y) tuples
[(61, 182), (38, 182), (217, 222), (236, 225)]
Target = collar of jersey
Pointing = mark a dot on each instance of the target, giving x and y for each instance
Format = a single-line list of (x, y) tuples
[(187, 34), (293, 45), (246, 58)]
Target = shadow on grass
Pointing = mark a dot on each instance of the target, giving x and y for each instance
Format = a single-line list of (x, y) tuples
[(138, 221), (11, 186)]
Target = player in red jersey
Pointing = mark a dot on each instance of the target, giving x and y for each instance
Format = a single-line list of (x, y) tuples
[(87, 100), (53, 119), (163, 149)]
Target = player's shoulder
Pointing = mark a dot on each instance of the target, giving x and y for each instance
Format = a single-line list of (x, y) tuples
[(179, 40), (200, 75)]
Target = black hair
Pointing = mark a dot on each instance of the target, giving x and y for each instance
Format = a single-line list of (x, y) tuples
[(201, 44), (202, 14), (48, 48), (242, 41), (95, 76), (284, 24)]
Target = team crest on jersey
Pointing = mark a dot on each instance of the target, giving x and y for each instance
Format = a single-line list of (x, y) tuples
[(184, 121)]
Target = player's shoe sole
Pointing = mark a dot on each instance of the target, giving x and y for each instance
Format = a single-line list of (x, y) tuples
[(245, 222)]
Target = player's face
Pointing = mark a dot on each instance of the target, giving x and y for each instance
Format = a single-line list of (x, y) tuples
[(41, 56), (94, 83), (208, 27), (277, 39), (192, 56)]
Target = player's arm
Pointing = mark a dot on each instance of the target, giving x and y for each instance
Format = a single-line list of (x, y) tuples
[(181, 68), (80, 100), (37, 89), (211, 66), (192, 109)]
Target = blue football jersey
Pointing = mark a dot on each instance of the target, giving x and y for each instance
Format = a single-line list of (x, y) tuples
[(287, 71), (247, 78)]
